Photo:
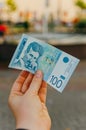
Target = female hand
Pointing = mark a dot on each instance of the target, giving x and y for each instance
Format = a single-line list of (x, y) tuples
[(27, 101)]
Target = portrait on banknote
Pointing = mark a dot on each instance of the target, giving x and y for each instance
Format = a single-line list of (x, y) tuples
[(29, 56)]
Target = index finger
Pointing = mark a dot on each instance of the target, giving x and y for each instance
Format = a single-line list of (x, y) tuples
[(20, 81)]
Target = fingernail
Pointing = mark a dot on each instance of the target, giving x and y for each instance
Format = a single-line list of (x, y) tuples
[(38, 74)]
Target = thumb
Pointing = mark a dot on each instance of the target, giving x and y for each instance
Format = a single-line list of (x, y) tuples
[(36, 83)]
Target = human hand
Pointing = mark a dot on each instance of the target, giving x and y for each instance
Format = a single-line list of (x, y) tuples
[(27, 101)]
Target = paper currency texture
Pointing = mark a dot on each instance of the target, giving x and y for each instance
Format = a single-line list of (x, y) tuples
[(57, 66)]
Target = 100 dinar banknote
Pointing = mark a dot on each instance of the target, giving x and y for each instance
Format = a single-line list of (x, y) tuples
[(57, 66)]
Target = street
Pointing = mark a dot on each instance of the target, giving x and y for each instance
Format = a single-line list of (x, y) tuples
[(67, 109)]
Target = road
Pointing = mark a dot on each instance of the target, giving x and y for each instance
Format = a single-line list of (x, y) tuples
[(67, 110)]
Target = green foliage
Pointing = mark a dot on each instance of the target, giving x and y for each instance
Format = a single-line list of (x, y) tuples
[(81, 4), (25, 26), (81, 26), (11, 5)]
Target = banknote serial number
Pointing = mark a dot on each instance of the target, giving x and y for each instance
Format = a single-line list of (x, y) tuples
[(56, 81)]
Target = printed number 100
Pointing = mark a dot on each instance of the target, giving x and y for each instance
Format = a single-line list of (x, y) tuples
[(55, 81)]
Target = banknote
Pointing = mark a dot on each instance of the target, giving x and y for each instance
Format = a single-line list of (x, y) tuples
[(32, 54)]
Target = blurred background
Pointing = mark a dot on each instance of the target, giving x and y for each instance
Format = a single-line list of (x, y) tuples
[(61, 23)]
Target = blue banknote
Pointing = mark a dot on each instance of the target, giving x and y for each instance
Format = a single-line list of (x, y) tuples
[(32, 54)]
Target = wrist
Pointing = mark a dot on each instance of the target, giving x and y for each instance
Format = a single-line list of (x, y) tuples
[(25, 125), (30, 124), (22, 129), (22, 124)]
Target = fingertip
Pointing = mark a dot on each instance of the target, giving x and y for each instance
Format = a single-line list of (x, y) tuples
[(24, 72), (39, 74)]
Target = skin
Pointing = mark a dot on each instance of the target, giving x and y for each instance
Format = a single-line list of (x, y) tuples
[(27, 101)]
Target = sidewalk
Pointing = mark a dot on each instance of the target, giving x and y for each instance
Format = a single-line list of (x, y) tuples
[(67, 110)]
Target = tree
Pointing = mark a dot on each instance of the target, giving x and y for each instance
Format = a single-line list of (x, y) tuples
[(11, 5), (80, 26), (81, 4)]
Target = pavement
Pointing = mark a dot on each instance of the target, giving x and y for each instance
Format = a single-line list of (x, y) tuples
[(67, 109)]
